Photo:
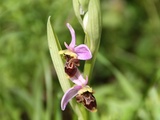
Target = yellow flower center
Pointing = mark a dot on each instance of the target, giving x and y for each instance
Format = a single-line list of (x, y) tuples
[(68, 52), (85, 89)]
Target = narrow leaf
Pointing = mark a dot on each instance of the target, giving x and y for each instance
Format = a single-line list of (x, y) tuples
[(54, 48), (76, 6)]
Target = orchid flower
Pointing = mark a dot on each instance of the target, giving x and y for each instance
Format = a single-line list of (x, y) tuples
[(72, 92), (81, 91), (80, 52)]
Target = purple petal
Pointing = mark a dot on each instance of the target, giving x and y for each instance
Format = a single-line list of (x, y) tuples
[(83, 52), (73, 41), (78, 79), (69, 94), (66, 45)]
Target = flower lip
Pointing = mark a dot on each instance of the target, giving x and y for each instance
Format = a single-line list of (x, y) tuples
[(88, 100), (85, 96), (71, 65)]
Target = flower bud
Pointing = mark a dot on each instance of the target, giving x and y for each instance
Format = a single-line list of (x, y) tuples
[(91, 21), (83, 6), (92, 25)]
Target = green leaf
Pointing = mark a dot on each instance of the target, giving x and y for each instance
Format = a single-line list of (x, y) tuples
[(76, 6), (93, 33), (54, 48), (93, 26)]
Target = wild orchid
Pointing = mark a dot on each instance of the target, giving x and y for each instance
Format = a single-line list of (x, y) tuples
[(80, 52), (74, 53), (91, 24), (82, 92)]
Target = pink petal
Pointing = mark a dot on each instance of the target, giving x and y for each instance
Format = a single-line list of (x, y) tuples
[(73, 41), (66, 45), (83, 52), (78, 79), (69, 94)]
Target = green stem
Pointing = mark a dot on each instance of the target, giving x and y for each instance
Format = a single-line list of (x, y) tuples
[(88, 67)]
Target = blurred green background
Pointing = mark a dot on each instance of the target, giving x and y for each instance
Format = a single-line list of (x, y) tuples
[(127, 71)]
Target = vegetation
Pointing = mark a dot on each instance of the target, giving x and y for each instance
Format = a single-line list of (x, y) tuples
[(127, 70)]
